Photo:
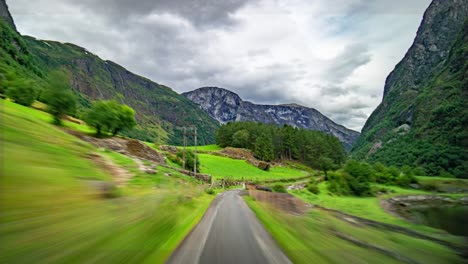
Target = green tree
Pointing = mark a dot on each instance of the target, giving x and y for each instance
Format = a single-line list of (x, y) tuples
[(189, 159), (110, 116), (58, 96), (241, 139), (326, 164), (264, 148), (22, 91)]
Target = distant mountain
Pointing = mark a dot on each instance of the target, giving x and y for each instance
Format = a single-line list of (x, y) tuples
[(160, 111), (423, 117), (226, 106)]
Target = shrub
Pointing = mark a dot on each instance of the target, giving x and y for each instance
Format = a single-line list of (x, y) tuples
[(22, 94), (210, 191), (313, 188), (110, 116), (419, 171), (189, 159), (279, 188), (337, 184), (346, 184)]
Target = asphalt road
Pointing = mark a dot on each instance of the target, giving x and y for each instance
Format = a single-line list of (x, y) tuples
[(229, 232)]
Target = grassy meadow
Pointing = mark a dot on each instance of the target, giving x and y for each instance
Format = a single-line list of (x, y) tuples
[(227, 168), (51, 211)]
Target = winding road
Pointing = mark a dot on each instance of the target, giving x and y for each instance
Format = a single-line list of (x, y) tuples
[(229, 232)]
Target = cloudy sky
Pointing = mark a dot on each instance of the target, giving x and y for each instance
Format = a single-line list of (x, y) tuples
[(332, 55)]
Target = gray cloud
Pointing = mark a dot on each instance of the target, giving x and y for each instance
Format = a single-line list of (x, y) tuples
[(200, 12), (326, 55), (354, 56)]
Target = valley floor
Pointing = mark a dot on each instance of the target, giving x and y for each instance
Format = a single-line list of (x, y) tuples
[(65, 200)]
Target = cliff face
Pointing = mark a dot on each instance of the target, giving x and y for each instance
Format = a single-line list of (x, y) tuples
[(226, 106), (440, 25), (5, 14), (422, 117)]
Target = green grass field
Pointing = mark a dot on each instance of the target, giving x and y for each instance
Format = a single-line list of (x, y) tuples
[(309, 239), (50, 211), (369, 207), (205, 148), (222, 167)]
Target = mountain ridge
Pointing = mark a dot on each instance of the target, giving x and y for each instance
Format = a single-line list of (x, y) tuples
[(160, 111), (227, 106)]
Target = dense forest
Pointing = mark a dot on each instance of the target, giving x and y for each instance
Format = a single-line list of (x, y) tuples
[(270, 142)]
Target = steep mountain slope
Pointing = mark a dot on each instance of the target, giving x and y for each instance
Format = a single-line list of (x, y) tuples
[(226, 106), (5, 14), (160, 111), (423, 118)]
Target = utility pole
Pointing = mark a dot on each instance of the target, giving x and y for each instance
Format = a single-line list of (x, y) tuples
[(195, 154), (185, 145)]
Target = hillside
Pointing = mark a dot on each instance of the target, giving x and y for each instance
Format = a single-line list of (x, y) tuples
[(226, 106), (160, 111), (422, 119)]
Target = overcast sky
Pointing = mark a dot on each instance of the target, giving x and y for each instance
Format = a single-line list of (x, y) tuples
[(332, 55)]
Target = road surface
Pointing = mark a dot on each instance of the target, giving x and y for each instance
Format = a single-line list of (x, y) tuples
[(229, 232)]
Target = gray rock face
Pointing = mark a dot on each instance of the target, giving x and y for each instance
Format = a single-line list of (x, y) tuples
[(5, 14), (440, 25), (226, 106)]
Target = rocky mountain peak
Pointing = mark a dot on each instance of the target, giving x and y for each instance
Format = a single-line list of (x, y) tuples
[(226, 106)]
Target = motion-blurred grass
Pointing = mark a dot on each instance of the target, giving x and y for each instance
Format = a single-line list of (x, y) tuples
[(49, 210), (309, 238), (369, 207)]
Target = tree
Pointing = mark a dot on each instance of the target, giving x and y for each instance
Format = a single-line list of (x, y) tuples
[(189, 159), (125, 119), (58, 96), (264, 148), (22, 92), (241, 139), (326, 164), (110, 116)]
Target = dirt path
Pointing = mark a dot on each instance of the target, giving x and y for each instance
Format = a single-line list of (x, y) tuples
[(229, 232), (119, 175)]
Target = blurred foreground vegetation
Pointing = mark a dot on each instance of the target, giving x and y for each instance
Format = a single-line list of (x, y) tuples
[(52, 207)]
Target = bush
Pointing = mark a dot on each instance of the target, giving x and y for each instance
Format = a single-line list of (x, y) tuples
[(210, 191), (23, 94), (346, 184), (189, 159), (110, 116), (419, 171), (313, 188), (279, 188)]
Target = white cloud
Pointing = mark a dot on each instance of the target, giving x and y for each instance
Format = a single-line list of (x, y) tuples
[(332, 55)]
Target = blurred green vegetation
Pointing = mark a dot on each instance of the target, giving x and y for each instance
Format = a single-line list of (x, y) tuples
[(311, 238), (52, 210)]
